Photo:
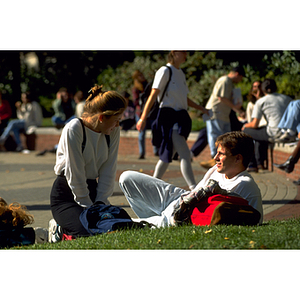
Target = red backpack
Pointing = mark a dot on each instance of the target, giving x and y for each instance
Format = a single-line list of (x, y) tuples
[(224, 209)]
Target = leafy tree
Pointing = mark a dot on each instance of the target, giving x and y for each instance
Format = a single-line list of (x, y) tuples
[(284, 68)]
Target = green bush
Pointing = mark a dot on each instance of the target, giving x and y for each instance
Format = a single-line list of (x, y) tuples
[(284, 69), (120, 78), (46, 104)]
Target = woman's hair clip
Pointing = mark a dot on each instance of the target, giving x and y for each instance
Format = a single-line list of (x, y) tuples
[(94, 91)]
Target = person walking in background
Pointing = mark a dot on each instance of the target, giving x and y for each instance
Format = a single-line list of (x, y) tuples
[(220, 105), (86, 162), (64, 108), (173, 123), (139, 85), (272, 107), (128, 117), (5, 113), (30, 117), (235, 124), (200, 143), (139, 88)]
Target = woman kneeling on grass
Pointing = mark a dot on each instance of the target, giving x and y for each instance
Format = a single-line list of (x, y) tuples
[(86, 162)]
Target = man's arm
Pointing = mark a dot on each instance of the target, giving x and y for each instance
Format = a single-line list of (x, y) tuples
[(253, 124), (235, 108), (193, 104), (140, 125)]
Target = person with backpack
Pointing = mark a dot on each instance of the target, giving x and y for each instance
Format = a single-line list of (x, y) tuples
[(158, 202), (173, 123), (86, 162)]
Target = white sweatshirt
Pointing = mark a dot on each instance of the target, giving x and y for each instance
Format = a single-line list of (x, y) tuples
[(97, 161)]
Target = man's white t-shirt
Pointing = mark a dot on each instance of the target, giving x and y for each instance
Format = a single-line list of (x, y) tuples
[(272, 107), (242, 184)]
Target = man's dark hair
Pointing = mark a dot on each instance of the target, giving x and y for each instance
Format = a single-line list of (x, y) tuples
[(237, 142), (269, 86), (240, 70)]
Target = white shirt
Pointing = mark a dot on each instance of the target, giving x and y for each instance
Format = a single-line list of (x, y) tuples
[(79, 109), (95, 161), (272, 107), (31, 112), (177, 91), (249, 111), (242, 184)]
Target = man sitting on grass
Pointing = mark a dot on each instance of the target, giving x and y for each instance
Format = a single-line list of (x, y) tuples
[(154, 200)]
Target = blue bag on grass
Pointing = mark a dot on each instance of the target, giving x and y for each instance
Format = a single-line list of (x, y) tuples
[(102, 218)]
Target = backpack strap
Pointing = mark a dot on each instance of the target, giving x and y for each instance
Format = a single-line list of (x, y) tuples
[(84, 136), (170, 70), (107, 137)]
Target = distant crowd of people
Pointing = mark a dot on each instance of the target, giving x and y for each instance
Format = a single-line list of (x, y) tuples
[(29, 116)]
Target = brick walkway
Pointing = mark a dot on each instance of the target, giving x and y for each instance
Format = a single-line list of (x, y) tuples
[(289, 210)]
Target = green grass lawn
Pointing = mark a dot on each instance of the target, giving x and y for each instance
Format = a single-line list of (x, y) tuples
[(270, 235)]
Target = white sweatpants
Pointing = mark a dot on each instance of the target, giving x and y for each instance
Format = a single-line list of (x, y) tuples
[(181, 147), (151, 199)]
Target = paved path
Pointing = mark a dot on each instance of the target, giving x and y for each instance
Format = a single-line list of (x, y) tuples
[(27, 179)]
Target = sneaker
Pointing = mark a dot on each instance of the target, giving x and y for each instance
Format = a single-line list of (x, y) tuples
[(297, 182), (208, 164), (41, 235), (285, 138), (252, 169), (19, 148), (276, 136), (55, 233)]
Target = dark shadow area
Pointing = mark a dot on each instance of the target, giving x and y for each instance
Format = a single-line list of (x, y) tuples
[(265, 202), (124, 206), (115, 194), (38, 207)]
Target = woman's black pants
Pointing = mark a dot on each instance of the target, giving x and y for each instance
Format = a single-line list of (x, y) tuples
[(65, 210)]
